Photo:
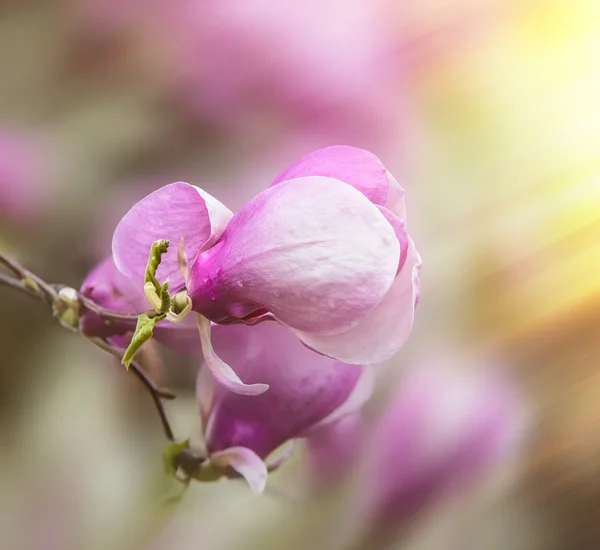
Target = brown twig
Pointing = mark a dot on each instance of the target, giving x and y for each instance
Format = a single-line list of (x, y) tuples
[(47, 291), (110, 314), (155, 392), (29, 283), (7, 280)]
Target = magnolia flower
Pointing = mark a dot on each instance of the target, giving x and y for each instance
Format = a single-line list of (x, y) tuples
[(323, 251), (443, 430), (323, 64), (307, 390)]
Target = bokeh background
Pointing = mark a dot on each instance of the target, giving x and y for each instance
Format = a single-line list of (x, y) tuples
[(486, 111)]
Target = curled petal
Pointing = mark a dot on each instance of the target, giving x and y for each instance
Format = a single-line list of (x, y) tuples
[(171, 212), (396, 199), (219, 216), (312, 251), (385, 330), (274, 462), (401, 234), (305, 388), (205, 394), (356, 167), (246, 463), (222, 372)]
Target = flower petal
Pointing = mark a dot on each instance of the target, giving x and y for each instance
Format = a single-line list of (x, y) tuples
[(356, 167), (361, 393), (305, 388), (171, 212), (222, 372), (246, 463), (109, 288), (385, 330), (401, 234), (313, 251), (396, 199), (275, 461)]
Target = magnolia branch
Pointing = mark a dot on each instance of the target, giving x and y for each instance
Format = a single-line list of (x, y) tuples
[(26, 282)]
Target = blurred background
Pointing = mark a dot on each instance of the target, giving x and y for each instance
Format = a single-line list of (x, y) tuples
[(488, 114)]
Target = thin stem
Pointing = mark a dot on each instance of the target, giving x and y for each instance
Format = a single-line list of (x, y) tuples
[(46, 290), (110, 314), (155, 392), (7, 280), (29, 283)]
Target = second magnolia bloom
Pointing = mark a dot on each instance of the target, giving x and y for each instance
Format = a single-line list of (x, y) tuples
[(324, 251)]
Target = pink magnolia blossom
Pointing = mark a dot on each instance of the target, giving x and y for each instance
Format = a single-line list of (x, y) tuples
[(322, 64), (307, 390), (324, 251), (442, 431)]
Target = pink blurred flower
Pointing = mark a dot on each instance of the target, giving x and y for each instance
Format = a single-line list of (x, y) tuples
[(333, 450), (324, 251), (311, 59), (443, 430), (321, 64), (25, 178), (306, 390)]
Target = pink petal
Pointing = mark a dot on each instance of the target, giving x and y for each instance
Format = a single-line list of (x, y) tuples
[(400, 229), (385, 330), (304, 388), (313, 251), (171, 212), (246, 463), (108, 287), (396, 200), (222, 372), (361, 393), (281, 456), (356, 167)]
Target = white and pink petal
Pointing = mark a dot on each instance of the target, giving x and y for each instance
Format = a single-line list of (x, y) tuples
[(313, 251), (385, 330), (356, 167), (171, 212)]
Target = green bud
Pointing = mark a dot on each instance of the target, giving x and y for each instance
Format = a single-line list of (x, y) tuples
[(181, 305), (67, 308), (30, 284), (156, 251)]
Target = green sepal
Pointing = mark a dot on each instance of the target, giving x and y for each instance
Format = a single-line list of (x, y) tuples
[(143, 332)]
